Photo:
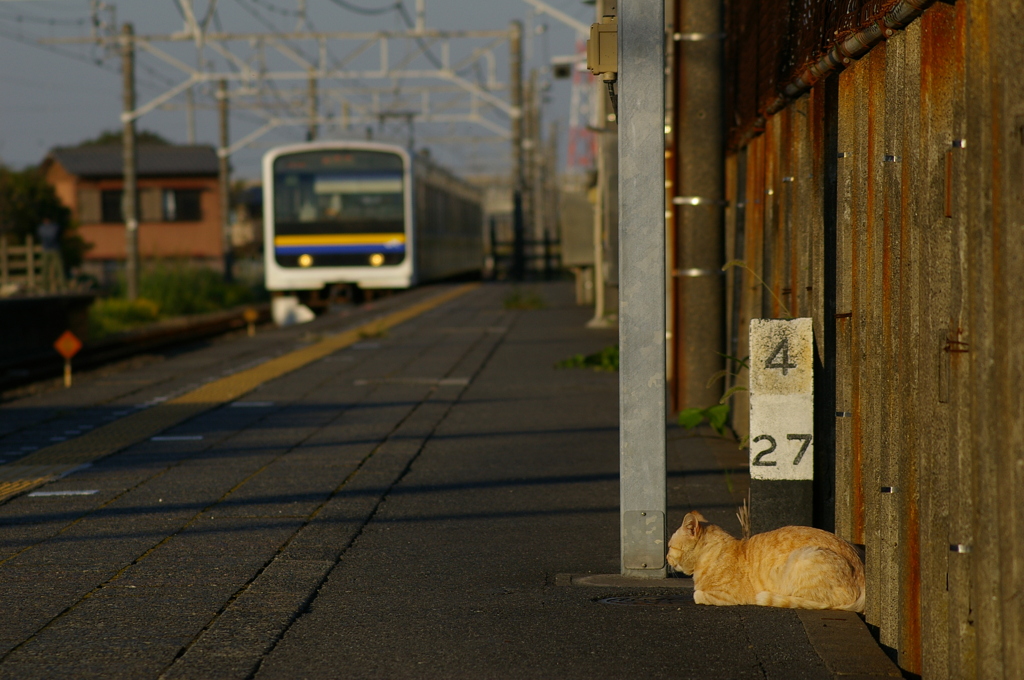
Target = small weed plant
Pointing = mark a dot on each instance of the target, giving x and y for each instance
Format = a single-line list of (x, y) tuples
[(717, 415), (523, 299), (605, 360)]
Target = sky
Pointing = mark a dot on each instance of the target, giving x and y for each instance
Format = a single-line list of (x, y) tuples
[(58, 95)]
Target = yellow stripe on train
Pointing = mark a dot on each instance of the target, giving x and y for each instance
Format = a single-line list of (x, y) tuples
[(337, 239)]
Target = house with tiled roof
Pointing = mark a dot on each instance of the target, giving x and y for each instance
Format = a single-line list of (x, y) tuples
[(179, 214)]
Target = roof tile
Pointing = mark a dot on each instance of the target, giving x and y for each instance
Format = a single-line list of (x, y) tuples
[(163, 161)]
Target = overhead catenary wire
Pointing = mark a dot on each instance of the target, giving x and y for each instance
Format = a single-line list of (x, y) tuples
[(283, 11), (33, 41), (48, 21), (368, 11)]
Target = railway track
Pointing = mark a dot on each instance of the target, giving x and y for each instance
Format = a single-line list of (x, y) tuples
[(156, 337)]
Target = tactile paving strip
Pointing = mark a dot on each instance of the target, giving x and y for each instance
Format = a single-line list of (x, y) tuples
[(51, 462)]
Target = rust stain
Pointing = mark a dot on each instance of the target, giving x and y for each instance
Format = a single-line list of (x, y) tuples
[(957, 346), (771, 226), (755, 223), (817, 126), (912, 586), (674, 369), (911, 591), (857, 459)]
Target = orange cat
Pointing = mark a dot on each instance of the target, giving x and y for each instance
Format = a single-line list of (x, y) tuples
[(798, 567)]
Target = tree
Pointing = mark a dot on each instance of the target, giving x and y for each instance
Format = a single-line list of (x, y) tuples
[(113, 137), (26, 199)]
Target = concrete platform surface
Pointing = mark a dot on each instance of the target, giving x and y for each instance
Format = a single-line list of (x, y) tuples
[(435, 501)]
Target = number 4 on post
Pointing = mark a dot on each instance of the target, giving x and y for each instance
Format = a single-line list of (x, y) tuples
[(785, 365)]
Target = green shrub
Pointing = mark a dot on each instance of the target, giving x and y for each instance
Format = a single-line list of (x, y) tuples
[(180, 288), (113, 315), (167, 291)]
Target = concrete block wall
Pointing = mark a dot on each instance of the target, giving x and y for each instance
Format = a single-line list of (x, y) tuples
[(888, 205)]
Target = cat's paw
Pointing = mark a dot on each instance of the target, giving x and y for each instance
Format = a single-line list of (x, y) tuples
[(700, 598)]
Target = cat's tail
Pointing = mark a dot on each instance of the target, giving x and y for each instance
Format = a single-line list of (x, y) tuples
[(857, 605), (769, 599)]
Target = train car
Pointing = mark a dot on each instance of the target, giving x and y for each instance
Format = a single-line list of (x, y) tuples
[(365, 213)]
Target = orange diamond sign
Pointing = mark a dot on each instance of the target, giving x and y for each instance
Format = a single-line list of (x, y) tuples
[(67, 344)]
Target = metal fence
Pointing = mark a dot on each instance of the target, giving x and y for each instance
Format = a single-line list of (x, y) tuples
[(887, 203), (20, 266)]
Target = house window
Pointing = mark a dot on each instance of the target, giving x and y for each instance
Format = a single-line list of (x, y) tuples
[(89, 206), (182, 205), (110, 206)]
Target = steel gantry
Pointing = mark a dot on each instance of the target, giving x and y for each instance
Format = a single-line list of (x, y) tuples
[(255, 64)]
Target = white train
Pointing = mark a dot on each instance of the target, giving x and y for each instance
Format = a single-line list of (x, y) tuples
[(367, 214)]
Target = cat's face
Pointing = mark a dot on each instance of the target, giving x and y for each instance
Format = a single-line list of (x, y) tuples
[(682, 547)]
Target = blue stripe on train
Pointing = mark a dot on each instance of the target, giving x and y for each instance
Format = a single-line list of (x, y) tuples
[(358, 249)]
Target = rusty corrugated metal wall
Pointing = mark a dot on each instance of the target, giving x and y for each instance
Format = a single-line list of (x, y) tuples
[(888, 204)]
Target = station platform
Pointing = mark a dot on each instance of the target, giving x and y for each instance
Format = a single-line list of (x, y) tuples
[(409, 489)]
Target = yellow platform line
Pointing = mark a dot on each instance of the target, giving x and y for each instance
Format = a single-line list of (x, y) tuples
[(51, 462)]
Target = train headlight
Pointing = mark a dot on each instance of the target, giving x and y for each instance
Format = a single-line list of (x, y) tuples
[(306, 260), (376, 260)]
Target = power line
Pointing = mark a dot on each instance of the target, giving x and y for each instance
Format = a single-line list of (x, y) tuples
[(49, 21), (34, 42), (275, 9), (366, 11)]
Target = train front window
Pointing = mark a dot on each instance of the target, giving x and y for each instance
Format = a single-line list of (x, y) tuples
[(339, 192)]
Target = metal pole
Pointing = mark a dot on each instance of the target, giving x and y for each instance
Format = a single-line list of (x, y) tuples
[(30, 263), (552, 186), (129, 203), (642, 287), (529, 169), (699, 318), (313, 131), (190, 116), (536, 166), (606, 223), (4, 263), (225, 181), (515, 42)]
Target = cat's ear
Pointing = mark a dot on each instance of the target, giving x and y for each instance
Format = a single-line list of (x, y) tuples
[(691, 524)]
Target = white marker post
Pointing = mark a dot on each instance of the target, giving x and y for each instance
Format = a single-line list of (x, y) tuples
[(781, 423)]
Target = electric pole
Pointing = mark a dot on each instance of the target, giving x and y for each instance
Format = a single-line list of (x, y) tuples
[(606, 211), (190, 116), (529, 160), (515, 42), (129, 203), (225, 181), (699, 335), (311, 134)]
